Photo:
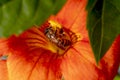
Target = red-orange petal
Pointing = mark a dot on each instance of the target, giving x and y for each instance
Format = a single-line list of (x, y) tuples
[(4, 50), (3, 70), (73, 16), (79, 63), (30, 60), (110, 62), (43, 65)]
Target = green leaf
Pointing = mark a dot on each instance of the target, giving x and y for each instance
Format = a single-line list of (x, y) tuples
[(18, 15), (3, 2), (103, 24)]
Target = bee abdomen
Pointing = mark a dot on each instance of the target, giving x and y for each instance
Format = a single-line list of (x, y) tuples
[(64, 43)]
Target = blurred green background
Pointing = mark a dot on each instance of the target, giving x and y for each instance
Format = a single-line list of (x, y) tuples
[(18, 15)]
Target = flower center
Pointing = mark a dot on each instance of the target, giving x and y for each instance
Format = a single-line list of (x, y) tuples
[(59, 37)]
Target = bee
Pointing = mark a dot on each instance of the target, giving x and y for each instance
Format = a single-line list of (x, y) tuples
[(57, 36), (50, 34)]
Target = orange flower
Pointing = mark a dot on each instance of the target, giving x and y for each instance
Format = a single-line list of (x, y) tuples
[(58, 50)]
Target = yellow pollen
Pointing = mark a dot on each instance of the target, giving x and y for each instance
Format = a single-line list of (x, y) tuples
[(54, 24)]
